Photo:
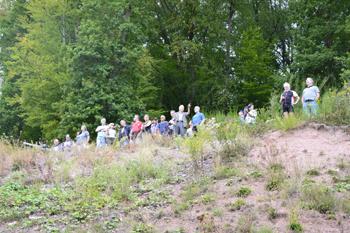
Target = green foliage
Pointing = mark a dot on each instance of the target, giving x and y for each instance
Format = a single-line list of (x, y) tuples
[(224, 172), (307, 181), (287, 123), (208, 198), (273, 185), (294, 225), (334, 108), (313, 172), (331, 216), (243, 192), (237, 205)]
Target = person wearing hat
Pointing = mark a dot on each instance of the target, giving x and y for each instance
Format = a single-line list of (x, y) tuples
[(155, 126), (124, 132), (241, 116), (287, 100), (310, 96), (251, 115), (180, 120)]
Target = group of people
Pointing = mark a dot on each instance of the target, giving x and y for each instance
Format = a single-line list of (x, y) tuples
[(309, 98), (177, 125), (106, 134)]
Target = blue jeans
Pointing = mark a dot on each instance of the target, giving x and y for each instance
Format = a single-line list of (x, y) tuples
[(309, 106), (101, 142), (122, 144)]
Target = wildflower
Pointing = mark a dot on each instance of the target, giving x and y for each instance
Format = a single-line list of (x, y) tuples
[(310, 105)]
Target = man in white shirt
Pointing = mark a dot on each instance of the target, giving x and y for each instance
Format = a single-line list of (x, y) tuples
[(101, 133)]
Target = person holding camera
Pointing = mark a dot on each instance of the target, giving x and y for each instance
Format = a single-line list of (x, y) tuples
[(287, 100), (251, 115)]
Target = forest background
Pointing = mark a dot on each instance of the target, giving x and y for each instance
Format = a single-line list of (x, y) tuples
[(65, 63)]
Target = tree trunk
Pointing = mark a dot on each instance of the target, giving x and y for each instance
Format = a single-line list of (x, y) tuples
[(228, 42)]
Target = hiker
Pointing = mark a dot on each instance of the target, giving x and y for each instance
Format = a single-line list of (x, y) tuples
[(163, 126), (251, 115), (180, 120), (212, 124), (310, 96), (171, 123), (155, 126), (124, 132), (68, 143), (287, 100), (56, 145), (83, 137), (135, 128), (101, 139), (111, 134), (189, 132), (241, 116), (198, 119), (146, 126)]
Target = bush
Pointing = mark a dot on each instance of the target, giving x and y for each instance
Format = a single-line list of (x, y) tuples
[(243, 192), (334, 107), (313, 172), (287, 123), (273, 185), (237, 205)]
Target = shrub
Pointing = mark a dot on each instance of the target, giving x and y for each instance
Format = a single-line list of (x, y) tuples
[(237, 205), (243, 192), (307, 181), (334, 107), (273, 185), (313, 172), (224, 172), (287, 123), (276, 167), (319, 198), (294, 225), (331, 172), (206, 199)]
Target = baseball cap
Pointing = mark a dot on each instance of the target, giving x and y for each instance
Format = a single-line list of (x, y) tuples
[(155, 118)]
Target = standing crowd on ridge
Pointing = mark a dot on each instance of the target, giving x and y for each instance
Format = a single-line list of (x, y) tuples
[(177, 125)]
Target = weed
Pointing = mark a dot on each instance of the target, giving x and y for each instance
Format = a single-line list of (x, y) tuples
[(271, 214), (206, 199), (218, 212), (255, 174), (224, 172), (287, 123), (233, 181), (245, 223), (313, 172), (319, 198), (260, 199), (273, 185), (321, 153), (237, 205), (341, 180), (206, 223), (331, 172), (294, 225), (341, 165), (142, 227), (276, 167), (331, 216), (179, 208), (244, 192), (307, 181)]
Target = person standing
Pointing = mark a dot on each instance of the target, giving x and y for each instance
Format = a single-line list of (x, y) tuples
[(251, 115), (310, 96), (287, 100), (198, 119), (170, 124), (111, 134), (163, 126), (189, 132), (155, 126), (83, 137), (101, 133), (180, 120), (124, 132), (146, 126), (136, 128)]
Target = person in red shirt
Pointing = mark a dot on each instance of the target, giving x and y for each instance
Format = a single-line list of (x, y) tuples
[(136, 128)]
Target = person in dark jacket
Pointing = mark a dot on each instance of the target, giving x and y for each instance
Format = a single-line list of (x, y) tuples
[(287, 100), (124, 132)]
